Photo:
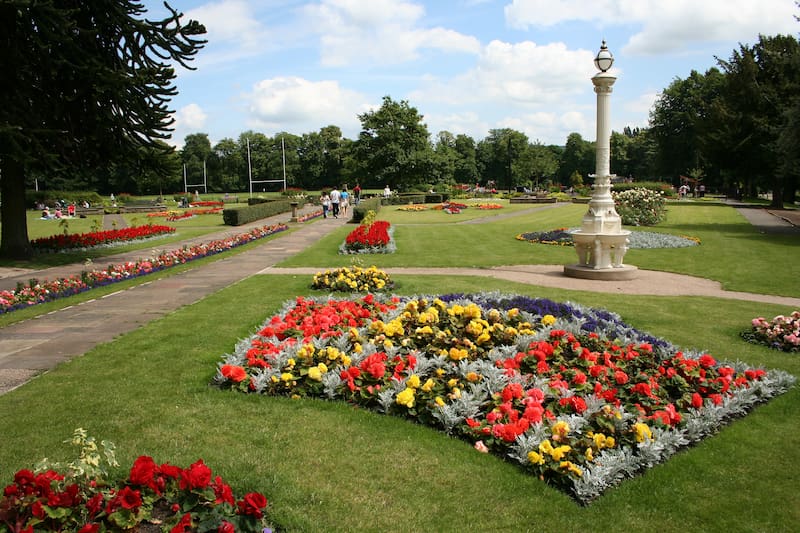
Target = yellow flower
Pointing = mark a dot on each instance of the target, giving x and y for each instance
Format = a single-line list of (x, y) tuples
[(571, 467), (511, 313), (428, 385), (322, 367), (548, 320), (535, 458), (452, 382), (560, 430), (439, 401), (413, 381), (472, 376), (406, 397), (346, 358), (440, 372), (290, 363), (332, 353), (546, 447), (642, 432), (457, 355), (287, 376), (387, 344), (314, 373), (589, 455), (558, 453), (483, 337)]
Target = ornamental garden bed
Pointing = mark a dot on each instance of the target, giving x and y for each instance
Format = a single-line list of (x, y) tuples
[(572, 395)]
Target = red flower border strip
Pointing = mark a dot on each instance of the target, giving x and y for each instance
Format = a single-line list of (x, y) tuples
[(61, 242), (39, 292)]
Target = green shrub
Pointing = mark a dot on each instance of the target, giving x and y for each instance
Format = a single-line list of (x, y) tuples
[(236, 216), (365, 205)]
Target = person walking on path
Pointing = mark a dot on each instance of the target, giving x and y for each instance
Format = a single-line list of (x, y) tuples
[(344, 200), (336, 197), (325, 200)]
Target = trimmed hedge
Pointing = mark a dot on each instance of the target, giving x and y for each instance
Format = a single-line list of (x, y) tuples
[(236, 216), (365, 205)]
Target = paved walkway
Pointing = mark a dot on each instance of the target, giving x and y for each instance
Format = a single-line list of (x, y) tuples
[(34, 346)]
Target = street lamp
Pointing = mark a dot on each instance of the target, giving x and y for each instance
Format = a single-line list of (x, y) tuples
[(604, 58)]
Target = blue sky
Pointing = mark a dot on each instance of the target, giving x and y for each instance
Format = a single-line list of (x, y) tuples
[(468, 66)]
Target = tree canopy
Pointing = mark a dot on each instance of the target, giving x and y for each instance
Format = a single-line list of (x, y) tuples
[(84, 82)]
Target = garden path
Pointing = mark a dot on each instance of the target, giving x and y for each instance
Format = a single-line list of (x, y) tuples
[(34, 346), (114, 221)]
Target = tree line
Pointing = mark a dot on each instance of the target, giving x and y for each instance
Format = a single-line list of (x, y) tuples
[(87, 89)]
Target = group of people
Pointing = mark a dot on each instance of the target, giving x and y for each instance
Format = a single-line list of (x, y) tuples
[(336, 202), (58, 210)]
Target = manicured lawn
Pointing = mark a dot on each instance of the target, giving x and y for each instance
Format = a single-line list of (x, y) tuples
[(726, 237), (328, 467)]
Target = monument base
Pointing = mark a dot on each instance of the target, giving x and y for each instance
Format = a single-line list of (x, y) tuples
[(621, 273)]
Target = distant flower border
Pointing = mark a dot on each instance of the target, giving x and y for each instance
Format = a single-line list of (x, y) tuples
[(76, 241), (637, 239), (373, 238), (353, 279), (36, 292)]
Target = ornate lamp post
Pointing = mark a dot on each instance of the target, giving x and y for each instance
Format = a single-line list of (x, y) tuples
[(601, 243)]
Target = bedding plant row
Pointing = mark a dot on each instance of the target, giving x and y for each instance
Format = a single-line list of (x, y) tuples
[(571, 394)]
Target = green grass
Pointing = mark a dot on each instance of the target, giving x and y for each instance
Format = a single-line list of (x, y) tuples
[(329, 467), (732, 251)]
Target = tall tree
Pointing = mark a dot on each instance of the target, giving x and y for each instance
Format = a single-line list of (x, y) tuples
[(578, 156), (501, 158), (466, 169), (196, 158), (83, 82), (393, 145)]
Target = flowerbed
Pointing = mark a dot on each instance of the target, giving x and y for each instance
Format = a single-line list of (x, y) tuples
[(637, 239), (36, 292), (174, 215), (452, 208), (81, 497), (640, 206), (353, 279), (489, 206), (781, 333), (310, 216), (371, 238), (412, 207), (572, 394), (57, 243), (208, 203)]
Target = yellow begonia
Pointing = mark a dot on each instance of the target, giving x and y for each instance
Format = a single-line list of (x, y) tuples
[(425, 330), (473, 376), (413, 381), (439, 401), (290, 362), (452, 382), (287, 376), (428, 386), (483, 338), (571, 467), (642, 432), (332, 353), (314, 373), (322, 367), (548, 320), (406, 397), (560, 430), (589, 454), (558, 453), (545, 447), (458, 354), (535, 458)]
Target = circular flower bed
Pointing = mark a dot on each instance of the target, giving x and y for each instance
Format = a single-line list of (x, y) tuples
[(637, 239), (781, 333), (353, 279), (574, 395)]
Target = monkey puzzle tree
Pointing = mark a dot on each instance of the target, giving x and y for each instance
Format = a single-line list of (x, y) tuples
[(84, 82)]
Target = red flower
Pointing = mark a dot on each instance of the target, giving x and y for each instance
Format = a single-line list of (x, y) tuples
[(197, 476), (253, 504), (143, 471), (222, 491), (185, 524), (226, 527), (234, 373), (89, 528), (129, 498)]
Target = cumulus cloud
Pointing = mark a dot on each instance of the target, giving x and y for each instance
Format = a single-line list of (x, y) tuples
[(519, 73), (665, 26), (379, 31), (286, 102)]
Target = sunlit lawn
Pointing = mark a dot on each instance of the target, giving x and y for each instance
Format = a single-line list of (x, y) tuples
[(328, 467)]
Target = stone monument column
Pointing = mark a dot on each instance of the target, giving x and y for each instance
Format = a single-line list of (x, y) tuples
[(601, 243)]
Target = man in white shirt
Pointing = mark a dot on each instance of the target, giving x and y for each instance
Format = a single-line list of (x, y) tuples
[(335, 198)]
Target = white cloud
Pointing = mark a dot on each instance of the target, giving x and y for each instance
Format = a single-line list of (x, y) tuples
[(665, 26), (229, 21), (515, 74), (379, 31), (297, 104)]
